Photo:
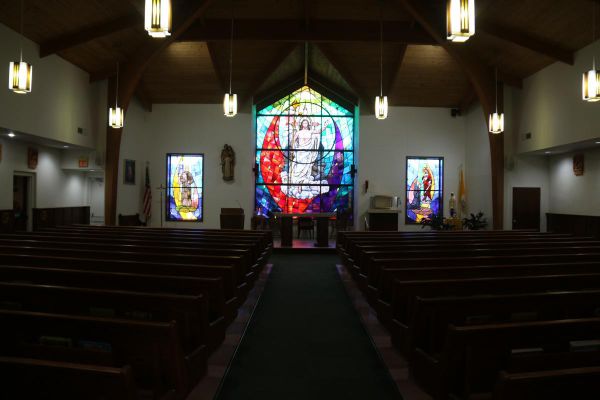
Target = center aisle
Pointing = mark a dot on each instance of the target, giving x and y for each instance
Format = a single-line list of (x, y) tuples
[(305, 340)]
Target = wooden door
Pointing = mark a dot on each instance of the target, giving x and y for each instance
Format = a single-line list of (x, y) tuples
[(526, 208)]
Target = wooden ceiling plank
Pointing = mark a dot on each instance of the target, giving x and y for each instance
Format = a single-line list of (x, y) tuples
[(482, 80), (296, 30), (523, 39), (88, 34), (345, 73), (510, 80), (223, 80), (142, 95), (183, 17), (271, 67), (395, 70)]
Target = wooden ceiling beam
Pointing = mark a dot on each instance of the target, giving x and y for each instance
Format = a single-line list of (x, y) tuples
[(347, 75), (297, 30), (88, 34), (271, 67), (187, 12), (524, 39), (482, 79)]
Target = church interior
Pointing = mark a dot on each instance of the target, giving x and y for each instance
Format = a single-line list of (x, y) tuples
[(300, 199)]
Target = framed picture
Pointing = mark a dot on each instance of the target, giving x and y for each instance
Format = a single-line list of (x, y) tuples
[(32, 158), (424, 188), (185, 187), (129, 172)]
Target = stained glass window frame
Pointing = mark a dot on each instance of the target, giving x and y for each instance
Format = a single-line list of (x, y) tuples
[(407, 186), (202, 203), (344, 190)]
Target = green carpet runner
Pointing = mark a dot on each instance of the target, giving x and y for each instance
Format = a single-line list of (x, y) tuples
[(305, 340)]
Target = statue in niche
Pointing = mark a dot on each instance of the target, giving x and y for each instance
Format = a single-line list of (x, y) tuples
[(227, 162)]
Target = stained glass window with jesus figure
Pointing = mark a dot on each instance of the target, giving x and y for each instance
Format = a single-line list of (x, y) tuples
[(304, 154)]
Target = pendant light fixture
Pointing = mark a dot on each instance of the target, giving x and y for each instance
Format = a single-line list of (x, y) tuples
[(116, 116), (496, 125), (157, 18), (460, 20), (381, 101), (230, 100), (590, 84), (20, 73)]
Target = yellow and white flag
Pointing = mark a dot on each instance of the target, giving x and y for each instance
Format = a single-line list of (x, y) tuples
[(462, 193)]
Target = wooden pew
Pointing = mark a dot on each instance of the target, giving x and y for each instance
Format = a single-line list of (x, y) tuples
[(432, 315), (189, 312), (26, 378), (225, 273), (220, 311), (243, 278), (152, 349), (558, 384), (474, 355)]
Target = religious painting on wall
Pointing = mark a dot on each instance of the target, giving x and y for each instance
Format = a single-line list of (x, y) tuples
[(129, 172), (185, 184), (32, 158), (424, 188), (304, 154)]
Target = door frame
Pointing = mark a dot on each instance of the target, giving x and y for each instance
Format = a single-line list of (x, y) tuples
[(31, 195)]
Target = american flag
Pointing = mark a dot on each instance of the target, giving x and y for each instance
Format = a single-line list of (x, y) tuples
[(147, 197)]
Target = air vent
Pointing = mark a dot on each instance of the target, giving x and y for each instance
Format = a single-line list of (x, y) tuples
[(527, 136), (80, 130)]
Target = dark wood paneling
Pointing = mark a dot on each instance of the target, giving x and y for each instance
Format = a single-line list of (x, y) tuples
[(7, 221), (578, 225), (50, 217)]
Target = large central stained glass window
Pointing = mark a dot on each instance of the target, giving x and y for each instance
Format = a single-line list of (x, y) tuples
[(304, 153)]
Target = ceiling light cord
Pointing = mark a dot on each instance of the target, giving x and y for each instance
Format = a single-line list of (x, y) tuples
[(21, 37), (305, 63), (117, 89), (380, 50), (496, 86), (231, 50)]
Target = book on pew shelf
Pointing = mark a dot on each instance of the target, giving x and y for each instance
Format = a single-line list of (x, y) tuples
[(95, 345), (527, 350), (584, 345), (11, 305), (478, 319), (55, 341), (140, 315)]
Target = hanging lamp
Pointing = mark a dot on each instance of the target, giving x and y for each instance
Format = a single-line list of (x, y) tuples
[(230, 100), (381, 101), (496, 125), (20, 73), (157, 18), (590, 84), (116, 116), (460, 20)]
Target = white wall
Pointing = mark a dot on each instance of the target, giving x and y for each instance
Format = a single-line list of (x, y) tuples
[(408, 131), (570, 194), (61, 100), (55, 187), (188, 129), (478, 165), (551, 106)]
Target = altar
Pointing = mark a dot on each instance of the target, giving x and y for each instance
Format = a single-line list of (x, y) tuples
[(287, 227)]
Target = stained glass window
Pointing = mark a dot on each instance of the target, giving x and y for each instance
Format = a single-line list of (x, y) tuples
[(185, 181), (424, 188), (304, 153)]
